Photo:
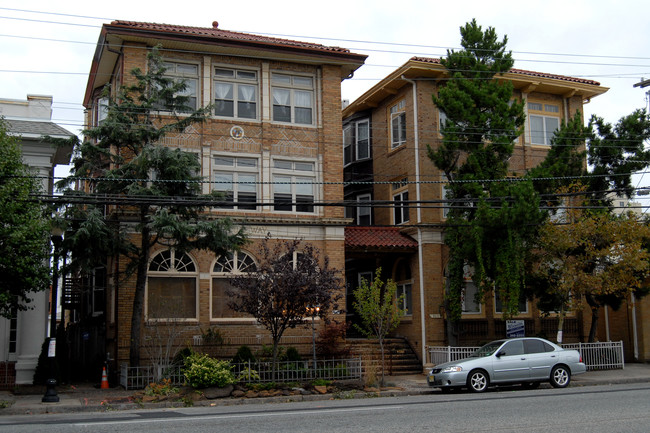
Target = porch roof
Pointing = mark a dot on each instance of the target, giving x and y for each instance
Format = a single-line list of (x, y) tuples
[(378, 238)]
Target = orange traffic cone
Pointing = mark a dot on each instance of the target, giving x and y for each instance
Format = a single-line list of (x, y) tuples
[(104, 379)]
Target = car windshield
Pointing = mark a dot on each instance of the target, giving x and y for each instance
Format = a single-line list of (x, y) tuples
[(487, 350)]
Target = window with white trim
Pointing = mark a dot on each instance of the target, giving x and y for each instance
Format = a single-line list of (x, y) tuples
[(102, 109), (293, 98), (404, 282), (544, 120), (398, 124), (468, 302), (172, 287), (356, 141), (406, 290), (235, 177), (235, 93), (226, 267), (294, 185), (189, 74), (364, 210), (400, 201), (442, 119)]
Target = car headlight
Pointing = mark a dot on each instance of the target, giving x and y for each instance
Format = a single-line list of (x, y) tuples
[(454, 369)]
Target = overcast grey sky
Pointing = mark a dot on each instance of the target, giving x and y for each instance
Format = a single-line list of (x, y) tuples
[(47, 47)]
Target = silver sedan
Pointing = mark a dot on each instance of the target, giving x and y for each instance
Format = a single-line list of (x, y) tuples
[(528, 361)]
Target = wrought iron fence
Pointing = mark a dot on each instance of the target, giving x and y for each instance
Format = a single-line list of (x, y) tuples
[(605, 355), (442, 354), (252, 372), (140, 377), (596, 356)]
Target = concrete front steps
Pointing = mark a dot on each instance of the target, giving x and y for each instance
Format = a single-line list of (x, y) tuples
[(398, 356)]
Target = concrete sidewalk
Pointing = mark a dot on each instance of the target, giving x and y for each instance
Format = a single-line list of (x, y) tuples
[(86, 398)]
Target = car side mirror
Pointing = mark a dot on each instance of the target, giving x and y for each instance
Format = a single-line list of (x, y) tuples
[(500, 354)]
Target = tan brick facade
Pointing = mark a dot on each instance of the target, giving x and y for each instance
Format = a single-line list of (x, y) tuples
[(261, 139), (391, 164)]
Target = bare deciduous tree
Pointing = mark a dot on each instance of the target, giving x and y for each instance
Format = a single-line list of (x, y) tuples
[(290, 281)]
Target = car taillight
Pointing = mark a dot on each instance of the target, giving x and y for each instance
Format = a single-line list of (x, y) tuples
[(580, 358)]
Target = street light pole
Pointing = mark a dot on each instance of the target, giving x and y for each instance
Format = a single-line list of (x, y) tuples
[(50, 394), (314, 312)]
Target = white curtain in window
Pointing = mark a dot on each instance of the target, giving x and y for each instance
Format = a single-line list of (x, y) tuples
[(281, 97), (247, 93), (222, 91), (302, 99)]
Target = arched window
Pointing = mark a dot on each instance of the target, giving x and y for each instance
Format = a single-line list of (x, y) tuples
[(226, 267), (172, 286)]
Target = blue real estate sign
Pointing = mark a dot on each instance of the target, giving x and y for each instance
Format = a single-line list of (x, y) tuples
[(515, 328)]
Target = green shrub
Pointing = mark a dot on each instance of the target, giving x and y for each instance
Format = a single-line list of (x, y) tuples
[(248, 374), (243, 355), (202, 371), (292, 355), (266, 353)]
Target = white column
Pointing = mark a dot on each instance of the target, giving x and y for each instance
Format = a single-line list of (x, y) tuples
[(31, 330), (32, 324)]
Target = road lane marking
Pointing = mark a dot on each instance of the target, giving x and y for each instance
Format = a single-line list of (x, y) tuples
[(233, 416)]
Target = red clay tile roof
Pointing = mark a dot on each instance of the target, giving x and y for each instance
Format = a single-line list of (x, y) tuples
[(377, 237), (215, 33), (523, 72)]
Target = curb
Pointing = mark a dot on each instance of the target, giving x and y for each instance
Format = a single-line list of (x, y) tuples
[(58, 408), (76, 405)]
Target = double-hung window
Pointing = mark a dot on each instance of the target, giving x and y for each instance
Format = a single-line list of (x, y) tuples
[(235, 93), (405, 290), (364, 210), (398, 124), (189, 74), (356, 141), (544, 121), (102, 110), (236, 178), (294, 187), (400, 201), (293, 98)]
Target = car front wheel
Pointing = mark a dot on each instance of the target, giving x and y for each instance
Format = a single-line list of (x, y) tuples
[(478, 381), (560, 376)]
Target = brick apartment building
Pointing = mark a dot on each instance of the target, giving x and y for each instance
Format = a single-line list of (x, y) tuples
[(386, 133), (274, 136)]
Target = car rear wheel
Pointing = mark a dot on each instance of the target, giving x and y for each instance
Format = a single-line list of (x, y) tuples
[(478, 381), (560, 376)]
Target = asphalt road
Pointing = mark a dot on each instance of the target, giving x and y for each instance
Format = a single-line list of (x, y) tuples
[(594, 409)]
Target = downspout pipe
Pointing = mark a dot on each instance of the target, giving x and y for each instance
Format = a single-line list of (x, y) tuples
[(416, 145)]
